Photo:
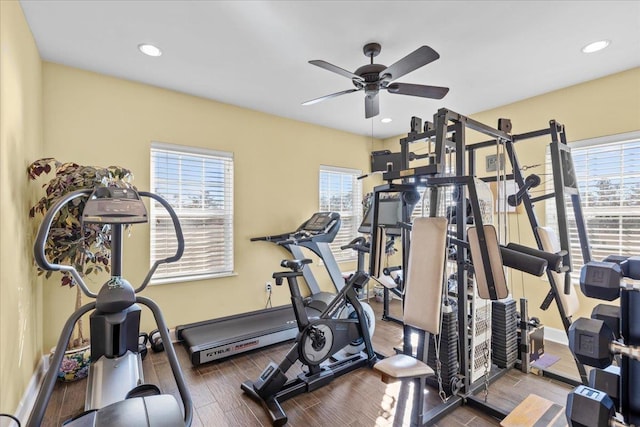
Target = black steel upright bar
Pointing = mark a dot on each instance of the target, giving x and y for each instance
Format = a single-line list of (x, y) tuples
[(116, 250)]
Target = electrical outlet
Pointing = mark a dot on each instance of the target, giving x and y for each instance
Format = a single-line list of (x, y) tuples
[(267, 287)]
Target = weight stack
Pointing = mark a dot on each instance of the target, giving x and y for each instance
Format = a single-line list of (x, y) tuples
[(504, 333), (448, 352)]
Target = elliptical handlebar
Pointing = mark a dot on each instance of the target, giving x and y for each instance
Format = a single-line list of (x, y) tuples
[(41, 240), (179, 237), (45, 227)]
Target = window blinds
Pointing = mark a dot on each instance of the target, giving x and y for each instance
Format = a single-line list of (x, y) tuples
[(341, 191), (199, 186), (608, 176)]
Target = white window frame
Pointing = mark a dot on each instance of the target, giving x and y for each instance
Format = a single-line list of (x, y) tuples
[(599, 249), (354, 215), (173, 272)]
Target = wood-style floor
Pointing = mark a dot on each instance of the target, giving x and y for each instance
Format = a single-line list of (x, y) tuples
[(355, 399)]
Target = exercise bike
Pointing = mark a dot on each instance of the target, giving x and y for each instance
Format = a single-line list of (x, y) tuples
[(319, 340), (116, 394)]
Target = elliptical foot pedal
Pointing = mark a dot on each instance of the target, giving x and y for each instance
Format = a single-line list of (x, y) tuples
[(143, 390)]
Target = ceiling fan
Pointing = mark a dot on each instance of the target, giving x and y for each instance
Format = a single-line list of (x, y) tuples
[(373, 77)]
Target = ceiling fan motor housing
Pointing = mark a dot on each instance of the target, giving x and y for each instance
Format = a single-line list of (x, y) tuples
[(371, 75)]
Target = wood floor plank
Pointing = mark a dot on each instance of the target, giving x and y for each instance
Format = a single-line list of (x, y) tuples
[(241, 416), (73, 403), (357, 399), (210, 414), (52, 414)]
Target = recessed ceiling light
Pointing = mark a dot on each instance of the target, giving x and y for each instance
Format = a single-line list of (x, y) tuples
[(149, 49), (595, 46), (387, 120)]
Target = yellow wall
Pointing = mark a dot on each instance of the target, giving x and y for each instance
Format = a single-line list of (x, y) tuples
[(606, 106), (20, 143), (94, 119)]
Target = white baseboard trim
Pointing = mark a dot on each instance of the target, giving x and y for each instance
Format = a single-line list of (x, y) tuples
[(556, 335), (29, 397)]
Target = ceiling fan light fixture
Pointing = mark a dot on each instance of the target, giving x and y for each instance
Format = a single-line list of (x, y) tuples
[(596, 46), (149, 49), (386, 120)]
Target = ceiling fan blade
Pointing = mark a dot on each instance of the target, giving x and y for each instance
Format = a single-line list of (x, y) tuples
[(333, 95), (334, 68), (435, 92), (416, 59), (371, 106)]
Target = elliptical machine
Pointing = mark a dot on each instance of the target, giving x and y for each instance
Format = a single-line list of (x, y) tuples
[(319, 339), (116, 394)]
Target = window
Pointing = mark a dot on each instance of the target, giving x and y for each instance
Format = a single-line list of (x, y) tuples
[(198, 184), (608, 175), (341, 191)]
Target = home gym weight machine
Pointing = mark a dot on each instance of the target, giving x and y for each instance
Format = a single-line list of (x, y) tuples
[(318, 346), (452, 162), (116, 393)]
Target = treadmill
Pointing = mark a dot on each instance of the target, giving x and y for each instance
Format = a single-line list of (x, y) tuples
[(224, 337)]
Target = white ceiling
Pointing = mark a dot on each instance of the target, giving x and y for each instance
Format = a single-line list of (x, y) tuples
[(254, 53)]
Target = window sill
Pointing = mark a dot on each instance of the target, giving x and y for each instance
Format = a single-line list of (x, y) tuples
[(194, 278)]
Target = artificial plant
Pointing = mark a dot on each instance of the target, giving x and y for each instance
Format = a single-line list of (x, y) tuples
[(87, 247)]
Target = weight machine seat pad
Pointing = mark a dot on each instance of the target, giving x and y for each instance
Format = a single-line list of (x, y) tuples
[(570, 303), (402, 366), (386, 281), (424, 278), (495, 260)]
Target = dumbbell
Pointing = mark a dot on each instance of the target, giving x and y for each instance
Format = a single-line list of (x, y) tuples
[(592, 342), (155, 339), (588, 407), (609, 314), (143, 338), (601, 280), (608, 381), (589, 341)]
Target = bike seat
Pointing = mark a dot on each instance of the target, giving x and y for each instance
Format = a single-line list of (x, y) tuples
[(295, 264)]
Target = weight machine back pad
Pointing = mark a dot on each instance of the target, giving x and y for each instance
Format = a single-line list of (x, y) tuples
[(570, 303), (380, 252), (424, 280), (495, 260)]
